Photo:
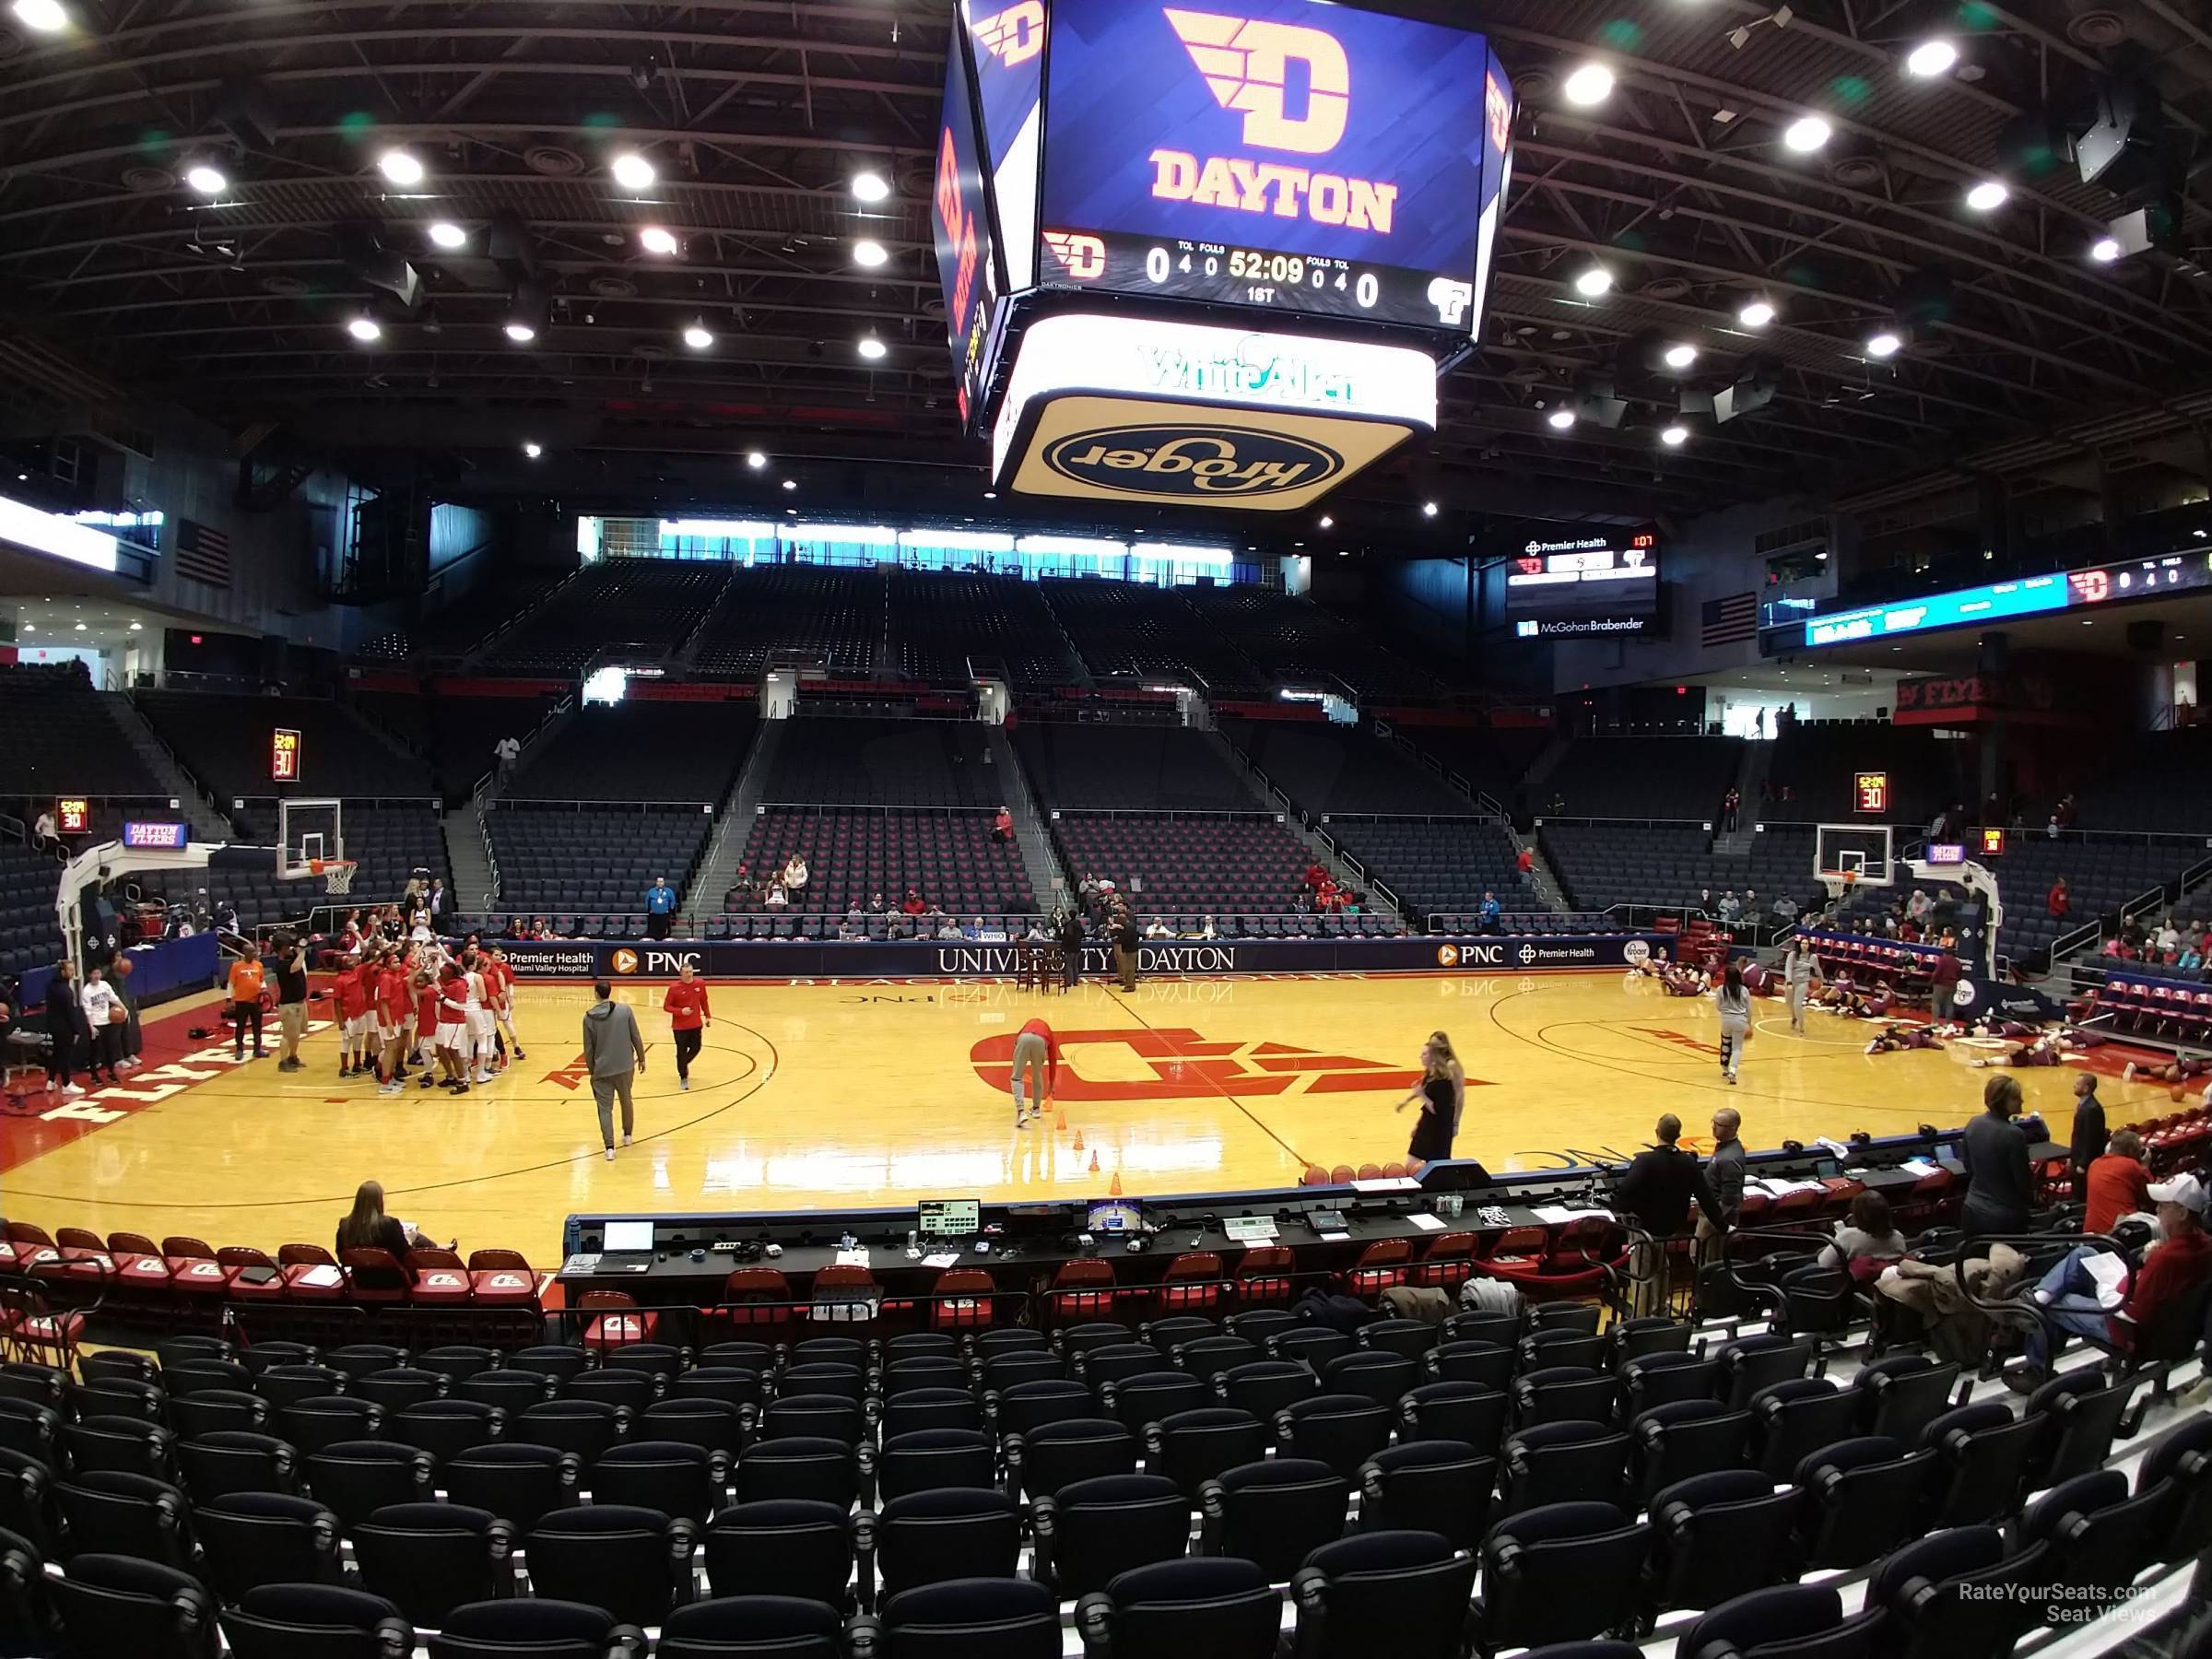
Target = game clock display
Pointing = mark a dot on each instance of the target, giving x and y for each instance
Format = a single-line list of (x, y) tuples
[(1311, 284)]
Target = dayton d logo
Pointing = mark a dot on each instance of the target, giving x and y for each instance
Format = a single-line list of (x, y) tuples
[(1015, 35), (1193, 461), (1181, 1066), (1247, 64)]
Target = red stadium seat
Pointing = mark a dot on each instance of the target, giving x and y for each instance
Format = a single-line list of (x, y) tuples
[(1263, 1276), (247, 1283), (614, 1327), (1082, 1290), (1191, 1284), (972, 1311), (1381, 1265)]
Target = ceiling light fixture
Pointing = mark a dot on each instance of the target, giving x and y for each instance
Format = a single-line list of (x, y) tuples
[(871, 187), (522, 333), (1807, 134), (1931, 58), (1988, 196), (655, 239), (1430, 510), (446, 234), (698, 336), (2105, 249), (1591, 84), (80, 628), (1681, 357), (365, 329), (1675, 437), (873, 349), (1561, 420), (1884, 345), (632, 172), (399, 167), (531, 450), (1327, 523), (756, 460), (870, 254), (1593, 282), (208, 180), (791, 483), (1756, 314), (45, 16), (137, 627)]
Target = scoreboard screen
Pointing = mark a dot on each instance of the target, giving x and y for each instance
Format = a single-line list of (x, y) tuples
[(1292, 156), (284, 755), (1592, 576), (1870, 791)]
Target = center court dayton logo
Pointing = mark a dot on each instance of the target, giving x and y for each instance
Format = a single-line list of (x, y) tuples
[(1193, 461), (1184, 1065)]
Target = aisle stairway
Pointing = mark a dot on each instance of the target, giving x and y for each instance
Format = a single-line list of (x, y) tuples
[(734, 823), (1032, 834), (209, 823), (470, 861)]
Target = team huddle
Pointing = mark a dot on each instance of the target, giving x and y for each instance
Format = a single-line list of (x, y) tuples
[(418, 1002)]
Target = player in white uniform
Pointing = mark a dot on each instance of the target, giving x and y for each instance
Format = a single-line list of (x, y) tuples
[(481, 1031)]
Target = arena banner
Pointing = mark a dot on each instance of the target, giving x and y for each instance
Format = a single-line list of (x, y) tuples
[(975, 958)]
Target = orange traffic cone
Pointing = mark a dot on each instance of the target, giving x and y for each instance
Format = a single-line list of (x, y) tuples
[(1094, 1163), (1079, 1140), (1060, 1123), (1115, 1191)]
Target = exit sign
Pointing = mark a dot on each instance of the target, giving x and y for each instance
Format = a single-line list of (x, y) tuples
[(1871, 791)]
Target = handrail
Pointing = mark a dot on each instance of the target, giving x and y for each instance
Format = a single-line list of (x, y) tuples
[(177, 760)]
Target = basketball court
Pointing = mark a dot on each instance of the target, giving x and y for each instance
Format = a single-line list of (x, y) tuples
[(861, 1093)]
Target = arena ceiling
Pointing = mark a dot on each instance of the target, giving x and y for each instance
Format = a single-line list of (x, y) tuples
[(118, 277)]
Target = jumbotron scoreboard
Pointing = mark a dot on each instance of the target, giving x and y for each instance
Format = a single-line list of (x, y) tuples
[(1212, 256)]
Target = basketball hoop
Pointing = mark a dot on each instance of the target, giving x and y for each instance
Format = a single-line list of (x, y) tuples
[(1838, 883), (336, 873)]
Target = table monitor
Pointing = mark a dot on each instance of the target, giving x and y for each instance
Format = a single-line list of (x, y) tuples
[(950, 1218)]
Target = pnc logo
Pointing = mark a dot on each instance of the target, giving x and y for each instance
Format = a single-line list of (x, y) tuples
[(624, 960), (1193, 461), (1247, 64), (1013, 36)]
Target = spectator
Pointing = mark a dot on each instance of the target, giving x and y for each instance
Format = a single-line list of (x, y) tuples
[(1525, 863), (1730, 907), (1126, 938), (1786, 910), (2089, 1138), (614, 1054), (289, 958), (1943, 986), (1486, 914), (366, 1226), (1868, 1236), (1002, 826), (1725, 1170), (504, 754), (1751, 905), (2059, 901), (2164, 1285), (1998, 1190), (2117, 1184), (793, 876), (2167, 941), (913, 904), (1159, 929), (1071, 946), (119, 981), (1656, 1191), (1729, 804), (660, 907), (441, 902), (42, 832), (1918, 906), (777, 899)]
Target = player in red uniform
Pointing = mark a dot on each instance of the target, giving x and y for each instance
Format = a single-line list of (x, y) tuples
[(394, 1008), (453, 1028), (688, 1016), (353, 998), (426, 1024), (499, 982)]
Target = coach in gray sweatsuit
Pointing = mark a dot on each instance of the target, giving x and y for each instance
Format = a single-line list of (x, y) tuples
[(1800, 972), (614, 1052)]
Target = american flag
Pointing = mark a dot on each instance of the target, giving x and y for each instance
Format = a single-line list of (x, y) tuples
[(1732, 621), (203, 553)]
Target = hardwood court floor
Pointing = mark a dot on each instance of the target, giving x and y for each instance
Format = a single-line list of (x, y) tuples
[(878, 1093)]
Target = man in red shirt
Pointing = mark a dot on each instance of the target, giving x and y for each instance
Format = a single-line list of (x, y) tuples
[(2059, 904), (2117, 1184), (354, 1017), (1037, 1060), (1525, 861), (395, 1007), (688, 1016), (2163, 1288)]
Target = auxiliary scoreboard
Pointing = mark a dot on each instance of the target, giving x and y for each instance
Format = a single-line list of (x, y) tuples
[(1243, 218)]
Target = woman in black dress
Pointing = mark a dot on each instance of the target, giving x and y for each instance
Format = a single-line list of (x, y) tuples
[(1432, 1133)]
